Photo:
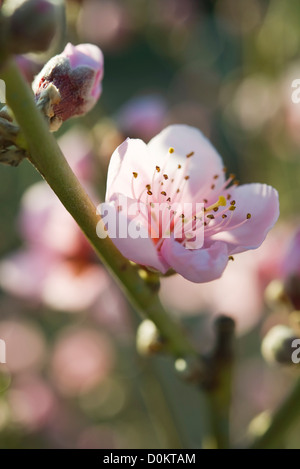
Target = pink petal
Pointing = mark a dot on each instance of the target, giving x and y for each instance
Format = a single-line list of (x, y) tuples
[(202, 167), (24, 272), (131, 156), (261, 201), (72, 288), (87, 55), (142, 249), (198, 265)]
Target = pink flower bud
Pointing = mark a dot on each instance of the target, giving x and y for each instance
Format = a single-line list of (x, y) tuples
[(76, 73)]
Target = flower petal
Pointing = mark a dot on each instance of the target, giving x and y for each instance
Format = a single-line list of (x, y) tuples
[(198, 265), (129, 233), (129, 157), (204, 167), (259, 200), (87, 55)]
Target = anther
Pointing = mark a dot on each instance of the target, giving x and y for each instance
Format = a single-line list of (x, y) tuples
[(224, 215), (135, 175), (171, 150), (216, 176), (187, 177), (212, 186), (163, 193), (231, 258), (166, 176), (179, 166), (210, 216), (248, 216), (232, 202), (149, 192), (157, 168), (232, 207), (190, 154)]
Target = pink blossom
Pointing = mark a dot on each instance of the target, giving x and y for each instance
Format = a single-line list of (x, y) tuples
[(77, 74), (81, 359), (180, 166), (56, 266), (143, 116)]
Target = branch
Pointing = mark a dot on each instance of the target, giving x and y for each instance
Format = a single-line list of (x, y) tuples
[(48, 159)]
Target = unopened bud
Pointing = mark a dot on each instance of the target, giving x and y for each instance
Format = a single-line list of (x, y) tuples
[(148, 339), (277, 346), (76, 74), (32, 26)]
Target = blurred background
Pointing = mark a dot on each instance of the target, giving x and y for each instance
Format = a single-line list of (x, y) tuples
[(74, 377)]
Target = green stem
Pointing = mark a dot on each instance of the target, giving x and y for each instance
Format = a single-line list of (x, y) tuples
[(282, 420), (47, 157), (218, 383)]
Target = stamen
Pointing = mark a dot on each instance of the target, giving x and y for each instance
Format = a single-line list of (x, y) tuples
[(190, 154), (171, 150), (187, 178), (232, 208), (230, 258), (179, 166), (221, 203), (135, 175), (166, 176), (232, 202), (149, 192), (248, 216), (163, 193), (211, 217), (157, 168)]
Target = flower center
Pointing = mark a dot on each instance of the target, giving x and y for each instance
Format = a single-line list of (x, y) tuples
[(168, 214)]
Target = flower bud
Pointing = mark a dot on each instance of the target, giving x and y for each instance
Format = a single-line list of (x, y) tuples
[(32, 26), (277, 345), (76, 74), (148, 339)]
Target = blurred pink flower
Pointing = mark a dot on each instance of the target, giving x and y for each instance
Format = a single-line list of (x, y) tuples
[(25, 346), (143, 116), (77, 74), (28, 67), (31, 402), (106, 23), (81, 359), (57, 267), (180, 167)]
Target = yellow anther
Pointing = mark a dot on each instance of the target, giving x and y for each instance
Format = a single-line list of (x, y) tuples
[(221, 203), (171, 150)]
